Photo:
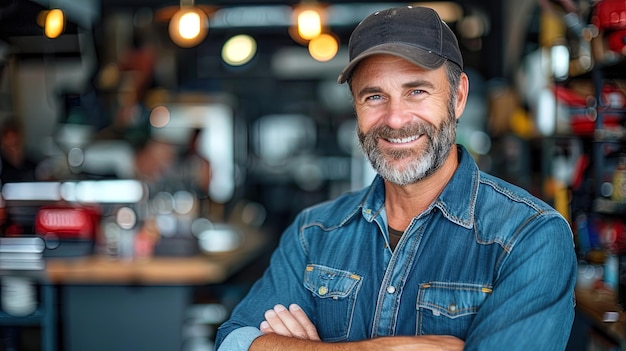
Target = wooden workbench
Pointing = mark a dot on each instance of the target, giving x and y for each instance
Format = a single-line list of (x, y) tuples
[(194, 270), (594, 304), (112, 304)]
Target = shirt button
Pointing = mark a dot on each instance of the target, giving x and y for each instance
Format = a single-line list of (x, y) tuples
[(391, 289), (452, 307), (322, 290)]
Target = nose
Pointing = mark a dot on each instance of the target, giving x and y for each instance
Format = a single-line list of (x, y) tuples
[(398, 114)]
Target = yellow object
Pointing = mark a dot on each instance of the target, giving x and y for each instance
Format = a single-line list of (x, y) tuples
[(551, 29), (324, 47), (55, 23), (521, 124), (309, 24), (189, 26), (561, 200), (619, 180), (239, 50)]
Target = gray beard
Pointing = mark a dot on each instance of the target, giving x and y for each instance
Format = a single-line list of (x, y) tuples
[(423, 162)]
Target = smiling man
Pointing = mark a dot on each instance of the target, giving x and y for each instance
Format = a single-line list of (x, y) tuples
[(434, 254)]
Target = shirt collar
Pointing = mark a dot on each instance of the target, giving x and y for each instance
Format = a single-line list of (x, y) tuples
[(455, 201)]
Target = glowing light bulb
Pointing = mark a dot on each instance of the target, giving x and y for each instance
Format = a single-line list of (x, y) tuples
[(239, 50), (309, 24), (189, 25), (324, 47), (55, 23)]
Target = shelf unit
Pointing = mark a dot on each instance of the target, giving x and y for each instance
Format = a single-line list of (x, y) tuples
[(22, 258), (43, 317), (606, 144), (596, 104)]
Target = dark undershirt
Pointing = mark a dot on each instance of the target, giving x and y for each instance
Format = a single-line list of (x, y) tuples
[(394, 237)]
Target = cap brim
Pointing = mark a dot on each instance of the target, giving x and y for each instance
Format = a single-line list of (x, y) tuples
[(413, 54)]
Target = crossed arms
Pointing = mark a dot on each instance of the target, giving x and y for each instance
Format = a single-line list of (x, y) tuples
[(291, 329)]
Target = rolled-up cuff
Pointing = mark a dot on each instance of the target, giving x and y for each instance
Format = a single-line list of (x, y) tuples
[(240, 339)]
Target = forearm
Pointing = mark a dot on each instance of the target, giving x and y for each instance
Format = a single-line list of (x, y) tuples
[(275, 342)]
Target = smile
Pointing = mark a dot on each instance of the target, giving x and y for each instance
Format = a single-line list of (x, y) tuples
[(403, 140)]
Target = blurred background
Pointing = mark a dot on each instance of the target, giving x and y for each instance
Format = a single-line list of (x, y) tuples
[(153, 151)]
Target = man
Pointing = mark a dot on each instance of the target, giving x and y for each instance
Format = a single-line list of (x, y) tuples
[(434, 254), (15, 165)]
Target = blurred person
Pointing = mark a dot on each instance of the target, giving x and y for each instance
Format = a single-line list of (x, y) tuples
[(145, 158), (195, 167), (433, 255), (131, 77), (15, 165), (131, 91), (153, 160), (196, 172)]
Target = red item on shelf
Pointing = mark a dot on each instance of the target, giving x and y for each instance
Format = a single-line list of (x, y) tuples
[(583, 120), (569, 97), (616, 40), (579, 170), (610, 15), (67, 222)]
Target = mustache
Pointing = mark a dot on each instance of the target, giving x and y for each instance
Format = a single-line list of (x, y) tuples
[(386, 132)]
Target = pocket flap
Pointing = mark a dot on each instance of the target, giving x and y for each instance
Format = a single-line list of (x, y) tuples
[(452, 299), (328, 282)]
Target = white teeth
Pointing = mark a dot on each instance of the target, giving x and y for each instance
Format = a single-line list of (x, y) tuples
[(403, 140)]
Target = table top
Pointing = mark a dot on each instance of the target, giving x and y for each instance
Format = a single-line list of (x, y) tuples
[(194, 270), (595, 303)]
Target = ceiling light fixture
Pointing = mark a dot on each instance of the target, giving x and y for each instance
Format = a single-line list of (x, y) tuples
[(239, 50), (309, 24), (189, 25), (324, 47), (54, 23), (309, 19)]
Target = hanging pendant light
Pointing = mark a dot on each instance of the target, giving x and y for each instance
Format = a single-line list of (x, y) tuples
[(324, 47), (308, 20), (189, 25), (53, 22)]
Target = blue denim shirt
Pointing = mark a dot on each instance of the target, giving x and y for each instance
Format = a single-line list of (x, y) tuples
[(487, 262)]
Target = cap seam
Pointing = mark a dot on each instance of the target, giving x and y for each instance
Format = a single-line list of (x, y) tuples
[(441, 29)]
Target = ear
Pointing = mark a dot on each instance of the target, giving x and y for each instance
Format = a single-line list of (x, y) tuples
[(461, 95)]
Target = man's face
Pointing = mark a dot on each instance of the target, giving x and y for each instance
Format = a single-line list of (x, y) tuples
[(406, 117)]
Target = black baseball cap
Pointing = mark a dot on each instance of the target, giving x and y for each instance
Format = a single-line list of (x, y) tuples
[(416, 34)]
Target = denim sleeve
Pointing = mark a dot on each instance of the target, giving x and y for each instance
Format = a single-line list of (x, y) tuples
[(532, 304), (239, 339), (281, 283)]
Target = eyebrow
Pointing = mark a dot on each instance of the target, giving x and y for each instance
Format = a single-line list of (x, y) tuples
[(411, 84), (419, 83), (367, 91)]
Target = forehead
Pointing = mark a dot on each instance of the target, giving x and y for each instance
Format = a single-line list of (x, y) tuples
[(384, 65)]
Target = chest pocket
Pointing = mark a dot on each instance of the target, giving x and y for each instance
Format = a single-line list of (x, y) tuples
[(335, 293), (448, 308)]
